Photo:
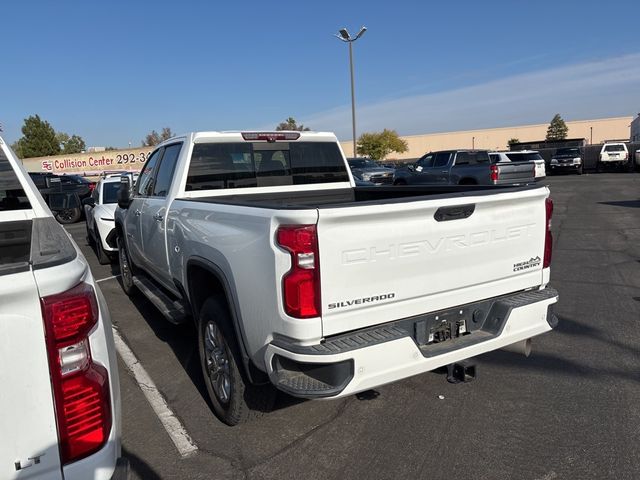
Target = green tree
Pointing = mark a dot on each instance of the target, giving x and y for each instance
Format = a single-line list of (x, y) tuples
[(154, 138), (380, 144), (557, 129), (70, 144), (513, 140), (38, 139), (291, 124), (75, 144)]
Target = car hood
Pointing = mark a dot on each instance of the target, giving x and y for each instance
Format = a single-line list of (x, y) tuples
[(107, 210), (374, 170)]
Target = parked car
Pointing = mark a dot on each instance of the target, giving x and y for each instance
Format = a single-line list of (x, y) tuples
[(370, 171), (231, 231), (613, 154), (523, 156), (463, 167), (63, 194), (60, 398), (567, 159), (99, 209)]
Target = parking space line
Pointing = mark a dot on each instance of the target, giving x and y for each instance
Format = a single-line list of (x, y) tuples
[(107, 278), (178, 434)]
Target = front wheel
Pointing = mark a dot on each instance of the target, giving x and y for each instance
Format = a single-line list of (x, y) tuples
[(68, 216), (101, 253), (234, 399), (126, 269), (579, 170)]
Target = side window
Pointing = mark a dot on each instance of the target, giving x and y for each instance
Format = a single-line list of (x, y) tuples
[(495, 158), (146, 175), (442, 159), (462, 158), (424, 162), (165, 172)]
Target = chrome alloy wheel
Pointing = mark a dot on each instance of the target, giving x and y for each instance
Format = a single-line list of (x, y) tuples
[(217, 362)]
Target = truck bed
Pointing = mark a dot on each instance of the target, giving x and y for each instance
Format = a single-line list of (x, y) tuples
[(360, 195)]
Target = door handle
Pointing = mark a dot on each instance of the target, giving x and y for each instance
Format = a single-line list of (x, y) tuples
[(158, 218), (137, 213), (444, 214)]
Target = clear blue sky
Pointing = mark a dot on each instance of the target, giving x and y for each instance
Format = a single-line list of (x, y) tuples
[(111, 71)]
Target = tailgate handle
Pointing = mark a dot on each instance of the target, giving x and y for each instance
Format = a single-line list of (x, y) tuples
[(444, 214)]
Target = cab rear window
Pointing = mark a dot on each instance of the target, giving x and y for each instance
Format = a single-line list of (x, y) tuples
[(260, 164), (12, 196), (523, 157)]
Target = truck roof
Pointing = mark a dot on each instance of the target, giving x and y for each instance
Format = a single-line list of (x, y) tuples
[(238, 135)]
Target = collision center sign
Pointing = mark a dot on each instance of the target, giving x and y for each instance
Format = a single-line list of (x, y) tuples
[(92, 163)]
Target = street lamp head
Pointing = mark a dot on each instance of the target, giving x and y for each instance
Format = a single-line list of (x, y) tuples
[(361, 32), (344, 34)]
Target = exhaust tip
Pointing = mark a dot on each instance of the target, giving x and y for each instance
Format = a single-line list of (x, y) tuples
[(522, 347)]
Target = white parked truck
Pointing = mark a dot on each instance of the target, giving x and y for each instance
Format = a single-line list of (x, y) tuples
[(297, 279), (60, 397)]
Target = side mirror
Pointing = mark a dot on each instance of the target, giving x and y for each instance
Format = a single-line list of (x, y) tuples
[(124, 192), (89, 201)]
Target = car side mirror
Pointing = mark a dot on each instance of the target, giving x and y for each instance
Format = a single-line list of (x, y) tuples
[(89, 201), (124, 192)]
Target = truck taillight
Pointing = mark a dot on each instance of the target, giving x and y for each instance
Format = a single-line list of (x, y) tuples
[(80, 387), (548, 239), (301, 284), (495, 173)]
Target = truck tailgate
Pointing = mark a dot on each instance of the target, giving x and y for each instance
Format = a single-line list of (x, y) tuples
[(516, 172), (389, 261), (29, 439)]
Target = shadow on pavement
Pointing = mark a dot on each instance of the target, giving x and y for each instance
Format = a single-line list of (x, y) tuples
[(139, 467)]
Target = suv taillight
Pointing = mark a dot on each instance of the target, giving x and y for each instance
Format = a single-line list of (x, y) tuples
[(495, 173), (548, 239), (301, 284), (80, 387)]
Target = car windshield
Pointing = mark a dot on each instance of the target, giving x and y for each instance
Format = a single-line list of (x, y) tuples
[(12, 196), (568, 151), (110, 192), (363, 163), (523, 157), (614, 148)]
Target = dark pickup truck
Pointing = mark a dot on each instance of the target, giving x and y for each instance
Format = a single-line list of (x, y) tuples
[(63, 194), (464, 167)]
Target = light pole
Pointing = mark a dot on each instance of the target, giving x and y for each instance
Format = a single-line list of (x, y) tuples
[(343, 35)]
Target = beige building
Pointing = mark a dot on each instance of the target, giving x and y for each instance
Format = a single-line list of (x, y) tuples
[(595, 131), (635, 129)]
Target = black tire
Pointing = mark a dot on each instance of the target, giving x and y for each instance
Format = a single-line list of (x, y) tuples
[(233, 398), (68, 216), (579, 170), (599, 167), (126, 268), (103, 257)]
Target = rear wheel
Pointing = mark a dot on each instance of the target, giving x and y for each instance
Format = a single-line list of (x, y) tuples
[(234, 399), (126, 268), (69, 215)]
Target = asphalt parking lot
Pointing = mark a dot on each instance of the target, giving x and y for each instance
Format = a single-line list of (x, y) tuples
[(569, 411)]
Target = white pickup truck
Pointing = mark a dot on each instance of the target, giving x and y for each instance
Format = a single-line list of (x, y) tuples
[(299, 280), (59, 391)]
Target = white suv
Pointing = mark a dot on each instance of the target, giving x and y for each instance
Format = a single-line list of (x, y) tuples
[(60, 398), (613, 154), (99, 210)]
